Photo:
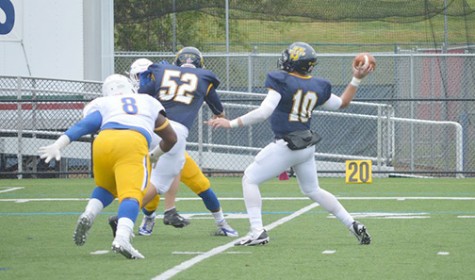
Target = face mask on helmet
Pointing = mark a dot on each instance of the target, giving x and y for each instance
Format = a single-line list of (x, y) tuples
[(117, 84), (298, 57), (138, 66), (189, 56)]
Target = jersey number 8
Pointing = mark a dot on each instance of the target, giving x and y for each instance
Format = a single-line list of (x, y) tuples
[(129, 105)]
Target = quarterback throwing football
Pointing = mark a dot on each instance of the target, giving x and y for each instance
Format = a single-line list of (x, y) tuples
[(292, 96)]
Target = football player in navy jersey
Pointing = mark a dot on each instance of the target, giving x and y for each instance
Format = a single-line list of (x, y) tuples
[(181, 88), (191, 175), (292, 96)]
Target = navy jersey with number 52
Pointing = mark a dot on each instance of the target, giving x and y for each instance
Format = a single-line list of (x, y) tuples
[(181, 90), (300, 95)]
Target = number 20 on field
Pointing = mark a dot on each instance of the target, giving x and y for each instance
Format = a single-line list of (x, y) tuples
[(359, 172)]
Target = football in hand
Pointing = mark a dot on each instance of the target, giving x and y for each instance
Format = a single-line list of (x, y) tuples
[(363, 59)]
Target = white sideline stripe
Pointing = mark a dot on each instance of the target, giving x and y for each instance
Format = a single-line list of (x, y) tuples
[(100, 252), (347, 198), (200, 253), (11, 189), (264, 198), (41, 199), (329, 252), (217, 250)]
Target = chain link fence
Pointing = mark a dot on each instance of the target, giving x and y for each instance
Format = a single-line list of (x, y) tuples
[(413, 116), (33, 113)]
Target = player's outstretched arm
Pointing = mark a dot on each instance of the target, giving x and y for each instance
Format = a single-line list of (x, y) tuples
[(260, 114), (350, 91), (88, 125)]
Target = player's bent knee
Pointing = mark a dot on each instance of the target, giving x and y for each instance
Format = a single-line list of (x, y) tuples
[(197, 183), (153, 204), (246, 180), (310, 191), (132, 195)]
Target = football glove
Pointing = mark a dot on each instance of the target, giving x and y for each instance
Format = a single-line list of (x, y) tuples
[(54, 150)]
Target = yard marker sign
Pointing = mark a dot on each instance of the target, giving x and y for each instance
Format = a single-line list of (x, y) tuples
[(359, 172)]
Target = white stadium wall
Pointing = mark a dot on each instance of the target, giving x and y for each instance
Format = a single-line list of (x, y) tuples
[(56, 39)]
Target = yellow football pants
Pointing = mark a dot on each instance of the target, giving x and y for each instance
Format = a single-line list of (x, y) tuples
[(121, 164), (191, 176)]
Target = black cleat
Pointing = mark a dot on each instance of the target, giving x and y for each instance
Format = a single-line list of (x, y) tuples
[(113, 220), (172, 218)]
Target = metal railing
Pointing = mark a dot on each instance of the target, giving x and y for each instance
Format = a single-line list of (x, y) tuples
[(416, 115)]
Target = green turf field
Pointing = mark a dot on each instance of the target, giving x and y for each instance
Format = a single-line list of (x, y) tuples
[(421, 229)]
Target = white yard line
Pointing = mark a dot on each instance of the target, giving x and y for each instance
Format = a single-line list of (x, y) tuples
[(10, 189), (346, 198), (191, 262), (264, 198), (41, 199)]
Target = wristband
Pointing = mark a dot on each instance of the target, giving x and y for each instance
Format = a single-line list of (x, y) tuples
[(355, 82), (155, 154), (234, 123), (62, 141), (157, 151)]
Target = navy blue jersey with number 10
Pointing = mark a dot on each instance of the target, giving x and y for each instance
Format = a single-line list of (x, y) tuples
[(181, 90), (300, 95)]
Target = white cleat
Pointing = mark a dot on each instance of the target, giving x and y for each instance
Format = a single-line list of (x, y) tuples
[(360, 232), (253, 239), (226, 230), (123, 247), (148, 222), (83, 225)]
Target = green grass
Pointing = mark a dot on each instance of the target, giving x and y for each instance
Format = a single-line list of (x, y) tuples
[(36, 236), (339, 36)]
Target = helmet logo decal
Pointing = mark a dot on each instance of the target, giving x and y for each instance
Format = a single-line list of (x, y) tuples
[(298, 57), (296, 52)]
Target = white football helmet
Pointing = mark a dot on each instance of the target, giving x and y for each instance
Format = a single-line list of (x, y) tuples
[(137, 67), (117, 84)]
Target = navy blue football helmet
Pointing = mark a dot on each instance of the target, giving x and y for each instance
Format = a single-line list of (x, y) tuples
[(299, 57), (189, 55)]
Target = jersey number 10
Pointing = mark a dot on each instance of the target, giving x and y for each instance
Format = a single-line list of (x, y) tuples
[(302, 106)]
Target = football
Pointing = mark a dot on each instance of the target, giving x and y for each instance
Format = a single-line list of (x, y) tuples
[(363, 59)]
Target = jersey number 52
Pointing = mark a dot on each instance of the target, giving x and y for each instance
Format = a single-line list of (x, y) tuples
[(181, 93)]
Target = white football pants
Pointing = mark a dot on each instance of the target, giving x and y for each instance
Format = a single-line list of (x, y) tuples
[(276, 158), (170, 163)]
